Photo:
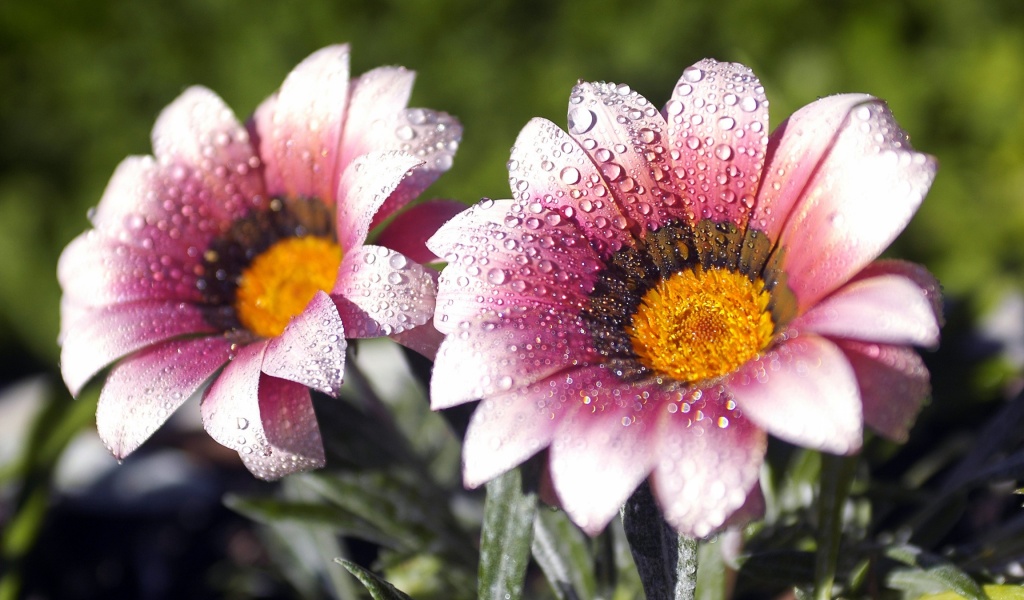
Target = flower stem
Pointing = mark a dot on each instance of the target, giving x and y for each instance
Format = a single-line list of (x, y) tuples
[(836, 477), (666, 561)]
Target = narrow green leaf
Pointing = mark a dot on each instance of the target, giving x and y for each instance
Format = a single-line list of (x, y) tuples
[(378, 588), (666, 561), (836, 476), (560, 548), (711, 580), (930, 574), (271, 511), (506, 538)]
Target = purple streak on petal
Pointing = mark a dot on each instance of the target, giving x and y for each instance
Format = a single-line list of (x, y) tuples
[(861, 195), (95, 270), (269, 421), (605, 445), (409, 231), (717, 133), (311, 350), (549, 170), (885, 308), (300, 127), (424, 339), (803, 391), (495, 354), (364, 186), (380, 292), (893, 385), (106, 334), (708, 460), (144, 389), (624, 136)]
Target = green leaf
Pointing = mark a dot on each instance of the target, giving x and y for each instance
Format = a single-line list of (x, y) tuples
[(711, 579), (836, 476), (378, 588), (666, 561), (271, 511), (930, 574), (560, 548), (506, 537)]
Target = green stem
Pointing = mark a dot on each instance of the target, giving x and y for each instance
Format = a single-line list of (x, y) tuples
[(836, 477)]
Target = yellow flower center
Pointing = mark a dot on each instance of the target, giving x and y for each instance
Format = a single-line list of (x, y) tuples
[(280, 282), (700, 324)]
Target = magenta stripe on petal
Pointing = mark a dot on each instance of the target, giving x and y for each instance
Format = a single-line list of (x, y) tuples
[(144, 389), (300, 127), (708, 458), (861, 196), (885, 308), (363, 188), (311, 350), (805, 392), (269, 421), (893, 384), (109, 333), (549, 170), (604, 447), (717, 132), (380, 292)]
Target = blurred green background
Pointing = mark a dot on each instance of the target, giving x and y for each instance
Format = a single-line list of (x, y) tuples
[(82, 82)]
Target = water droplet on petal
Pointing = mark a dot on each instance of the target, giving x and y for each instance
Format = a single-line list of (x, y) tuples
[(581, 120), (570, 175)]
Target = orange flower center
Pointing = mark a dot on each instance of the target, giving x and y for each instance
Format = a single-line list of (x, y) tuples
[(280, 282), (700, 324)]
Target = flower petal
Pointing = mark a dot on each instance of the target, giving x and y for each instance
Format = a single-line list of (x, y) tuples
[(269, 421), (717, 131), (709, 458), (495, 354), (375, 98), (893, 385), (311, 350), (96, 270), (144, 389), (604, 447), (380, 292), (365, 185), (424, 339), (549, 170), (409, 231), (493, 266), (885, 308), (861, 196), (508, 428), (622, 133), (300, 127), (805, 392), (108, 333)]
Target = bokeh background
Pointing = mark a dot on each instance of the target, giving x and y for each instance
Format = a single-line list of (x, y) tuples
[(81, 84)]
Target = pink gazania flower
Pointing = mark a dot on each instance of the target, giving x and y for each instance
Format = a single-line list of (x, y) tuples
[(666, 288), (247, 247)]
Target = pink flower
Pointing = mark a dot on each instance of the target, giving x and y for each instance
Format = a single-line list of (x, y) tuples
[(246, 246), (666, 287)]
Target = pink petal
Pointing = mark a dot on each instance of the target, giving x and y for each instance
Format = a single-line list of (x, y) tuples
[(143, 390), (717, 131), (805, 392), (376, 97), (365, 185), (549, 170), (424, 339), (709, 458), (885, 308), (95, 270), (623, 134), (507, 428), (269, 421), (380, 292), (912, 271), (604, 447), (109, 333), (893, 385), (494, 266), (492, 355), (795, 150), (300, 127), (311, 350), (409, 231), (861, 196)]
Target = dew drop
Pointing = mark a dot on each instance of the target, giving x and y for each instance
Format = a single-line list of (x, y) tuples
[(570, 175), (693, 74), (581, 120)]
